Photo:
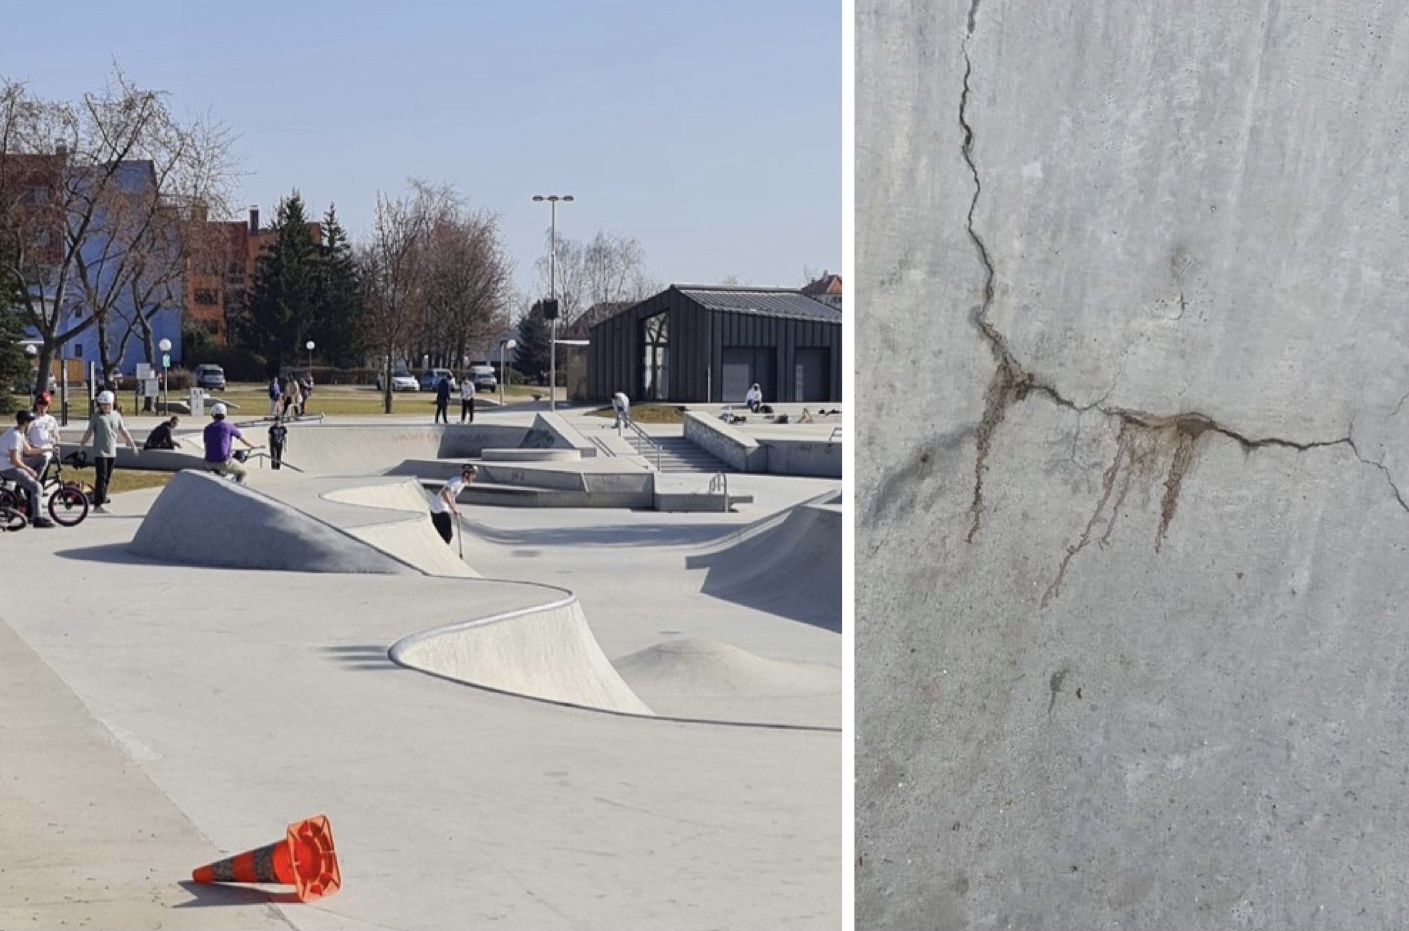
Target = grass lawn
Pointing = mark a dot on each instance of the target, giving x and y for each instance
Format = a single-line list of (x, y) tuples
[(123, 479), (647, 413), (360, 400)]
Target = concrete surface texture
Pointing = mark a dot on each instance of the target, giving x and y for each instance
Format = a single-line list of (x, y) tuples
[(1130, 602), (209, 706)]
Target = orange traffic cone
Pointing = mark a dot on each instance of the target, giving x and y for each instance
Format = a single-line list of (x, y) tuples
[(304, 859)]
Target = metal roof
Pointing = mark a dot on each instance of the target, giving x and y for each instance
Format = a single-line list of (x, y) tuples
[(767, 303)]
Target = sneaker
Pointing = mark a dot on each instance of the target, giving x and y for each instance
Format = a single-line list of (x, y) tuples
[(101, 509), (41, 522)]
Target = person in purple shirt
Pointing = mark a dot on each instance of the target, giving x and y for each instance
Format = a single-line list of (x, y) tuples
[(220, 436)]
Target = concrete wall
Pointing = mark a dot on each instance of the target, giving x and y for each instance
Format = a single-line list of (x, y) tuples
[(715, 436), (565, 435), (803, 457), (1133, 479)]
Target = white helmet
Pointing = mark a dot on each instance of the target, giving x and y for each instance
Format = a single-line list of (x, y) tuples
[(217, 409), (105, 397)]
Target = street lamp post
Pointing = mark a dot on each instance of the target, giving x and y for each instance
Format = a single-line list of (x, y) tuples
[(32, 351), (310, 346), (504, 344), (165, 347), (552, 200)]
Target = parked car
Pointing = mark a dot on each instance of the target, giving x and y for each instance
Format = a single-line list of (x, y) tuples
[(482, 377), (210, 377), (431, 377), (401, 380)]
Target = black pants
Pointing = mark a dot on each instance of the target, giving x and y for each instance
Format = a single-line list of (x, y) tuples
[(442, 411), (441, 519), (467, 410), (103, 474), (276, 455)]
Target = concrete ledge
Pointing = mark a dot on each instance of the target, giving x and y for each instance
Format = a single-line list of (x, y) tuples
[(552, 431), (742, 452), (530, 455), (822, 458)]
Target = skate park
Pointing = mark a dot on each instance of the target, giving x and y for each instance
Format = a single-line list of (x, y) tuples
[(620, 707)]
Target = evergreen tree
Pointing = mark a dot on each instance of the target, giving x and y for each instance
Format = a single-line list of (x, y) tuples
[(535, 344), (284, 302), (337, 325), (14, 365)]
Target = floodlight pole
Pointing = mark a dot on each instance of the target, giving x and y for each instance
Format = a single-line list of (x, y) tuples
[(552, 200)]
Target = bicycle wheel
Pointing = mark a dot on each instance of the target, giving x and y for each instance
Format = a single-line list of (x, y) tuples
[(11, 520), (12, 500), (68, 506)]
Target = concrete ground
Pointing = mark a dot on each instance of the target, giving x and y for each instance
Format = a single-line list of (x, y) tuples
[(157, 716)]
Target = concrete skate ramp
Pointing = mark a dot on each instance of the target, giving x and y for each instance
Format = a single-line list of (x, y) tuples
[(1133, 480), (788, 564), (410, 537), (203, 520), (706, 679), (361, 449), (547, 653)]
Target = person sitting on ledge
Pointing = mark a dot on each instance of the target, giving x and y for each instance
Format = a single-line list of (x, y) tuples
[(160, 437)]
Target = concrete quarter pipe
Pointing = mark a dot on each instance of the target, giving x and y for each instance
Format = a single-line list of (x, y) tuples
[(1131, 594)]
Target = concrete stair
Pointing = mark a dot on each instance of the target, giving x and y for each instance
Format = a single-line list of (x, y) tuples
[(678, 455)]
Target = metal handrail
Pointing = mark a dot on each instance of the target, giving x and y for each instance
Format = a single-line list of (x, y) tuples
[(720, 480), (645, 436)]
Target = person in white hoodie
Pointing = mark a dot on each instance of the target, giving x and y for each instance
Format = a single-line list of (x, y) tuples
[(622, 405)]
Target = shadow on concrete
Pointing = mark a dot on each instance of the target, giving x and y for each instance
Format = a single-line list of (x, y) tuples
[(115, 553), (369, 657), (795, 598), (216, 894), (609, 535)]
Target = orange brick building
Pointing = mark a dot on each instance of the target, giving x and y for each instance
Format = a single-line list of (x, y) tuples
[(221, 271)]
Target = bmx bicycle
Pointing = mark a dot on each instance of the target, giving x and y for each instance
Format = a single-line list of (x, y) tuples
[(67, 501), (12, 520)]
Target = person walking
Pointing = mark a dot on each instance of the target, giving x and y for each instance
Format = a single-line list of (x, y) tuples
[(467, 399), (104, 427), (278, 435), (14, 449), (293, 400), (160, 437), (621, 404), (442, 401), (276, 394), (219, 436), (444, 504)]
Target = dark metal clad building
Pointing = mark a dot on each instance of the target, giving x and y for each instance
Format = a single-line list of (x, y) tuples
[(709, 344)]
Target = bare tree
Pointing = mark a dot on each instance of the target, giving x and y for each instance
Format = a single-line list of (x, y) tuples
[(468, 285), (90, 198), (609, 268), (392, 273)]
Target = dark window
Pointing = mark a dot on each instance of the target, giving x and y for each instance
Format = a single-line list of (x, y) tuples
[(204, 296), (655, 373), (812, 375), (744, 365)]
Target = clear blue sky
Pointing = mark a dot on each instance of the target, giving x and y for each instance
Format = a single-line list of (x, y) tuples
[(710, 132)]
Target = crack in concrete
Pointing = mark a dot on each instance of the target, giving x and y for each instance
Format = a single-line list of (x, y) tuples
[(1389, 477), (1395, 412), (1012, 384)]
